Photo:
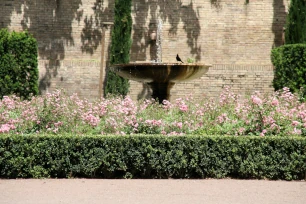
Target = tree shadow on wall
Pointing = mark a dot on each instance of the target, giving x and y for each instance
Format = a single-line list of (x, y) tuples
[(7, 9), (146, 92), (172, 11), (50, 22), (92, 31), (279, 21), (216, 4)]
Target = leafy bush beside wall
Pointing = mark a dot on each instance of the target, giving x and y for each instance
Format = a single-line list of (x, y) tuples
[(18, 64), (120, 47), (290, 67)]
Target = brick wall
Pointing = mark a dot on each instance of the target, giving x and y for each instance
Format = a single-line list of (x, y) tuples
[(236, 38)]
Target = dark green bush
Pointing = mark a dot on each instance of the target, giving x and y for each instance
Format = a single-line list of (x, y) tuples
[(296, 22), (64, 156), (290, 67), (120, 47), (18, 64), (116, 85)]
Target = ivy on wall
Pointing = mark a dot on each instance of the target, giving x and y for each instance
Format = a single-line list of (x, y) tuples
[(120, 47)]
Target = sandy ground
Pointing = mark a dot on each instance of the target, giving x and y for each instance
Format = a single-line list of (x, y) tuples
[(92, 191)]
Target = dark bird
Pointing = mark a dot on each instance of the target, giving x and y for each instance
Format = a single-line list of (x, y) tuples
[(178, 58)]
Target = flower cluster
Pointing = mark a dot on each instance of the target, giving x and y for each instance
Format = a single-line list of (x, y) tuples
[(280, 113)]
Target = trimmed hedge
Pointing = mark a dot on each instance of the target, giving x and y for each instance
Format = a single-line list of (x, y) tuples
[(290, 67), (152, 157), (18, 64)]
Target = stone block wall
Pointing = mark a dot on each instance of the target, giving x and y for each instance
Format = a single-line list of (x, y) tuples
[(69, 35), (235, 37)]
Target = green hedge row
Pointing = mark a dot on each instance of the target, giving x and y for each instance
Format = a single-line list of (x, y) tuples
[(18, 64), (290, 67), (152, 157)]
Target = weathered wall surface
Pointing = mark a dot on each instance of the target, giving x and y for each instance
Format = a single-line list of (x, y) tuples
[(69, 34), (236, 38)]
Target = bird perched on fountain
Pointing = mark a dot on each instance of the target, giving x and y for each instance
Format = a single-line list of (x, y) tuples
[(178, 58)]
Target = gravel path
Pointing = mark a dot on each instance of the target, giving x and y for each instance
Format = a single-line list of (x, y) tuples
[(98, 191)]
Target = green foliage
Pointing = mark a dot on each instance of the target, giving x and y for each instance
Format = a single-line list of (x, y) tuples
[(18, 64), (116, 85), (190, 60), (296, 23), (290, 67), (120, 47), (65, 156)]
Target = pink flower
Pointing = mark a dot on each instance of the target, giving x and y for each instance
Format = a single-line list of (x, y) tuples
[(184, 107), (256, 100), (166, 104), (174, 133), (222, 118), (10, 103), (297, 131), (91, 119), (179, 125), (241, 130), (295, 123), (275, 102), (58, 124), (152, 123), (263, 132), (200, 112), (5, 128)]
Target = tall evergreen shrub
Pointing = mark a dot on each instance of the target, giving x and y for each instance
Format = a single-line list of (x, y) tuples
[(18, 64), (290, 60), (290, 67), (120, 47), (296, 22)]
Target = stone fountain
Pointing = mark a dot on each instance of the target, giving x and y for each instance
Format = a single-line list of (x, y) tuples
[(161, 77)]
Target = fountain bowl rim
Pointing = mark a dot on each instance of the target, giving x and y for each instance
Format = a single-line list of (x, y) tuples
[(159, 64)]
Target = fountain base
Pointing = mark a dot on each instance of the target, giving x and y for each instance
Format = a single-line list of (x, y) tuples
[(161, 91)]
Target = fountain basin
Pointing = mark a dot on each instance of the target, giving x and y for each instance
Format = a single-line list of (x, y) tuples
[(161, 77), (160, 72)]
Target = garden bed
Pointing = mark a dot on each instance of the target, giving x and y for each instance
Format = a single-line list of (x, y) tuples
[(280, 113), (62, 136)]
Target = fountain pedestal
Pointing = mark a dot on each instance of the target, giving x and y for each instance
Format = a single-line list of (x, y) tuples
[(161, 77), (161, 91)]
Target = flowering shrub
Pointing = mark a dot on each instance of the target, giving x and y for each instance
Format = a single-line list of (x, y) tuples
[(280, 113)]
